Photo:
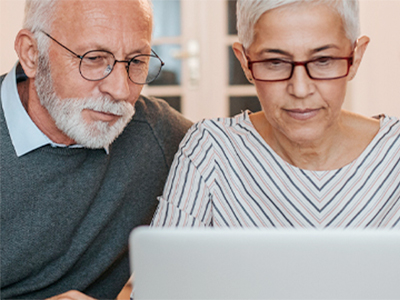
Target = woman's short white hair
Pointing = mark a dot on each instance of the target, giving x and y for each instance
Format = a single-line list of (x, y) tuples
[(250, 11)]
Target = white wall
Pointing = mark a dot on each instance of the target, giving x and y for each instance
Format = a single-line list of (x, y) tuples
[(376, 89), (11, 18)]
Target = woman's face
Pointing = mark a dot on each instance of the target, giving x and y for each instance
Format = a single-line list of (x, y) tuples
[(302, 109)]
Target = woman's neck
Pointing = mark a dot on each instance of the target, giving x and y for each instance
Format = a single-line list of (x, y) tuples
[(341, 144)]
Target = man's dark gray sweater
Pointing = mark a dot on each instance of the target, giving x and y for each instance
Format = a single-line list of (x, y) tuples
[(66, 214)]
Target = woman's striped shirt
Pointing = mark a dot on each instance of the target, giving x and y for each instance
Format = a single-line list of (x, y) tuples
[(225, 174)]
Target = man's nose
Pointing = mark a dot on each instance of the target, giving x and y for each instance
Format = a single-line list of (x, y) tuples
[(117, 83)]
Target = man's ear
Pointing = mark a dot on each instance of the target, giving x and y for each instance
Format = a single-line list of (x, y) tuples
[(26, 47), (359, 51), (238, 50)]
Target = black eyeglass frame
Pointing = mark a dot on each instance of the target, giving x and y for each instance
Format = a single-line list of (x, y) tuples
[(128, 62), (350, 60)]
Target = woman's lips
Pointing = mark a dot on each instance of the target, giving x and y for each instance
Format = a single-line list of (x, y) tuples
[(302, 114)]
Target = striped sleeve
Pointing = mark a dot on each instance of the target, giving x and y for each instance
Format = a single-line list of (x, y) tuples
[(186, 200)]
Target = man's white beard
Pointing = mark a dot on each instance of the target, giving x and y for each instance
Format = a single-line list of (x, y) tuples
[(67, 113)]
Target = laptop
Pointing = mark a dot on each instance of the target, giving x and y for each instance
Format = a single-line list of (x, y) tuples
[(186, 263)]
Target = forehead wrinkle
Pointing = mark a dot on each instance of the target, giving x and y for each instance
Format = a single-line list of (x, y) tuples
[(98, 19), (86, 14)]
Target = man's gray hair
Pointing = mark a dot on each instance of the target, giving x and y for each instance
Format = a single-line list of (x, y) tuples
[(39, 15), (250, 11)]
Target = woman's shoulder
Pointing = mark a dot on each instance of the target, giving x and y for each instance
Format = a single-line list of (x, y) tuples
[(388, 121), (369, 127), (218, 132), (385, 143), (375, 119), (388, 126), (389, 129), (223, 125)]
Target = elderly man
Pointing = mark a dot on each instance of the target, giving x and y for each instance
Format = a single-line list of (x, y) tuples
[(83, 155)]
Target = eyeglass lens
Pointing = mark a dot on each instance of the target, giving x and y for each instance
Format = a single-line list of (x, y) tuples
[(96, 65), (324, 68)]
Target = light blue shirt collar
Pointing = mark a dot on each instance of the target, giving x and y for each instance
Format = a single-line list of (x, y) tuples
[(25, 135)]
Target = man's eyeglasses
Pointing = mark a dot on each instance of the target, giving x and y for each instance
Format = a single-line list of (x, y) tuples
[(98, 64), (322, 68)]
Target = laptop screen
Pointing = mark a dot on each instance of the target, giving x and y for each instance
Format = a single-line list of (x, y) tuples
[(264, 264)]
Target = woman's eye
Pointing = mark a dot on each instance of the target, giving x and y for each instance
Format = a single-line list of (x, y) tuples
[(275, 63), (323, 61)]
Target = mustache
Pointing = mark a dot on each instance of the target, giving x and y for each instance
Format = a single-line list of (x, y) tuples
[(67, 112), (102, 104)]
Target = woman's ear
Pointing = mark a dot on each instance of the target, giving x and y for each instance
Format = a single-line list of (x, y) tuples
[(26, 47), (361, 46), (239, 52)]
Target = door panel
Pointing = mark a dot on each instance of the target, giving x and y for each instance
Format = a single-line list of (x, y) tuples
[(202, 76)]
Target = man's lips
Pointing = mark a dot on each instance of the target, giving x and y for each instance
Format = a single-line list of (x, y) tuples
[(302, 114), (103, 116)]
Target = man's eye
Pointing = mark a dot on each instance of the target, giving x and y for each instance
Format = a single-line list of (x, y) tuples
[(137, 61), (95, 59)]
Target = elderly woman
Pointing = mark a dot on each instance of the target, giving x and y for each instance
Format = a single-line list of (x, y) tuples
[(303, 161)]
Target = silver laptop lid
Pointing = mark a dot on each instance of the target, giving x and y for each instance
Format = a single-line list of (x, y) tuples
[(264, 264)]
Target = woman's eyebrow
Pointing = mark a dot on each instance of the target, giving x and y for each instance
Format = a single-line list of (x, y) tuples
[(282, 52), (325, 47), (276, 51)]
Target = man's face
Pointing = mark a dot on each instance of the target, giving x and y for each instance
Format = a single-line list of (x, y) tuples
[(93, 113)]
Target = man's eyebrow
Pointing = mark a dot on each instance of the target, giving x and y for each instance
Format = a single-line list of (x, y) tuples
[(141, 50), (98, 47), (90, 47)]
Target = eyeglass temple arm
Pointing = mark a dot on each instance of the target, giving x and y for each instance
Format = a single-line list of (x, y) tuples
[(249, 63), (80, 56), (162, 63), (77, 55)]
